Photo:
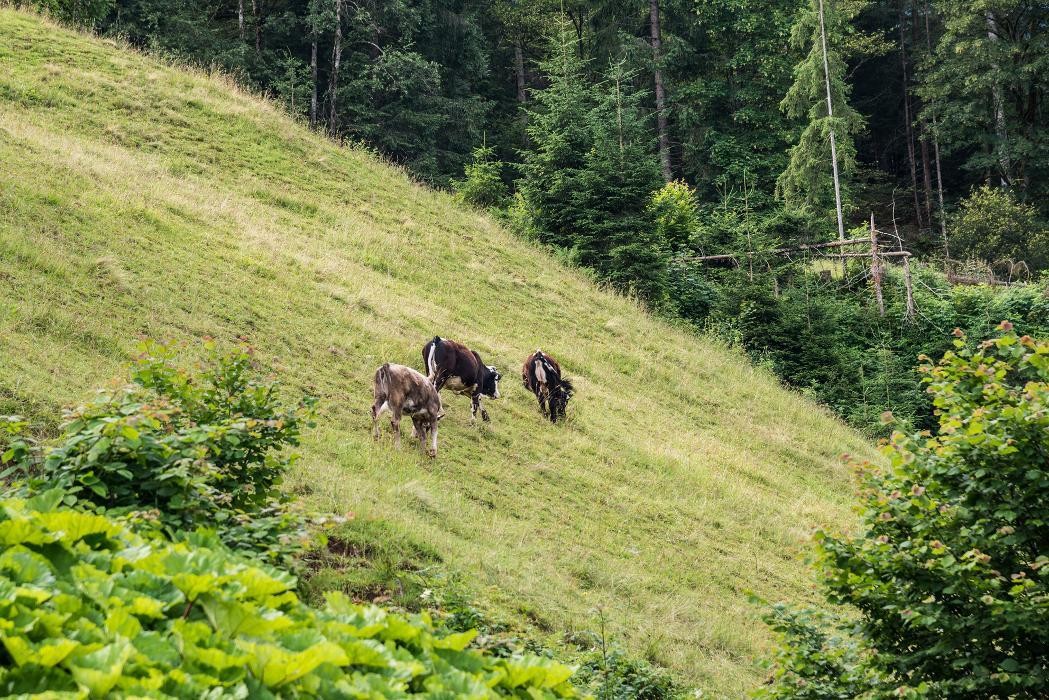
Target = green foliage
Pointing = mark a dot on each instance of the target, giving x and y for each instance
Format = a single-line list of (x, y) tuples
[(612, 675), (202, 449), (814, 661), (91, 608), (83, 12), (819, 329), (483, 185), (589, 175), (992, 226), (949, 570), (675, 212), (807, 181), (984, 87)]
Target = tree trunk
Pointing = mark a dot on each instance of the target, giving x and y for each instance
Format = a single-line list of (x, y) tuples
[(926, 174), (519, 74), (258, 24), (923, 130), (313, 64), (336, 56), (999, 110), (661, 99), (833, 147), (936, 147), (908, 128), (240, 18)]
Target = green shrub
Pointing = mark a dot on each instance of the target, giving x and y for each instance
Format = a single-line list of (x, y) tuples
[(992, 226), (613, 675), (85, 12), (90, 608), (201, 448), (483, 185), (950, 570), (674, 211)]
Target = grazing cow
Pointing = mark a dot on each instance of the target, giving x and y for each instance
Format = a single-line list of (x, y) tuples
[(453, 365), (542, 376), (399, 389)]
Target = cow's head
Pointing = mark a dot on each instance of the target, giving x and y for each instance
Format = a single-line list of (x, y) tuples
[(490, 382), (559, 396)]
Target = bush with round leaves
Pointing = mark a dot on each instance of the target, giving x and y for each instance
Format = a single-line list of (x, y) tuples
[(200, 448), (91, 608), (949, 572)]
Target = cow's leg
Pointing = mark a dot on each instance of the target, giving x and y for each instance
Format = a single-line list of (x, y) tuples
[(541, 396), (395, 425), (419, 428), (433, 438), (477, 405), (377, 410)]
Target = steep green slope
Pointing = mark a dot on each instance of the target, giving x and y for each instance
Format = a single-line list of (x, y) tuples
[(141, 200)]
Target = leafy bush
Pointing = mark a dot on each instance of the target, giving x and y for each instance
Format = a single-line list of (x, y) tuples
[(86, 12), (814, 661), (200, 449), (992, 226), (89, 607), (612, 675), (950, 572), (673, 209)]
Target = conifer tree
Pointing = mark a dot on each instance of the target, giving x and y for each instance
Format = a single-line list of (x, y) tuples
[(590, 172), (820, 95)]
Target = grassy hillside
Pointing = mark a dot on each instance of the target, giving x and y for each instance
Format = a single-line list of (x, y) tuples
[(141, 200)]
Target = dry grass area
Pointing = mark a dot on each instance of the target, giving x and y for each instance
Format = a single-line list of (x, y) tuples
[(137, 199)]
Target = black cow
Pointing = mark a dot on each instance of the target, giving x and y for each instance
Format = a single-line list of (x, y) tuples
[(542, 376), (453, 365), (399, 389)]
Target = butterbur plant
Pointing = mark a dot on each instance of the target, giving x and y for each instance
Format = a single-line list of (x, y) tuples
[(950, 569), (205, 448), (91, 608)]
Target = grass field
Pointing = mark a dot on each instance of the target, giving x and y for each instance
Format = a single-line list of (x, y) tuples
[(137, 199)]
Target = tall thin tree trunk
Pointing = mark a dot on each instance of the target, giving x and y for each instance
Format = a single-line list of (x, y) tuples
[(908, 127), (923, 129), (240, 18), (522, 93), (519, 73), (258, 24), (336, 56), (999, 109), (661, 98), (936, 146), (926, 173), (313, 62), (833, 146)]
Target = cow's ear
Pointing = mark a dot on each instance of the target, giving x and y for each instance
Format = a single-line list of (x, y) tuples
[(440, 415)]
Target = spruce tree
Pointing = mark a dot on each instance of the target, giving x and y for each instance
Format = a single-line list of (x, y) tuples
[(808, 181), (591, 170)]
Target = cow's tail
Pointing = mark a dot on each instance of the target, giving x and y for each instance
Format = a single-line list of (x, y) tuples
[(550, 375), (431, 358)]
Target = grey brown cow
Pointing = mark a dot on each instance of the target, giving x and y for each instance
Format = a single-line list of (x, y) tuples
[(402, 390)]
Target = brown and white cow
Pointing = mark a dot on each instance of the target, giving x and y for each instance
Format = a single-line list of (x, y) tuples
[(542, 376), (453, 365), (402, 390)]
